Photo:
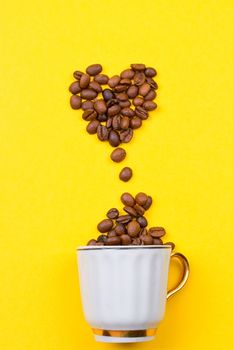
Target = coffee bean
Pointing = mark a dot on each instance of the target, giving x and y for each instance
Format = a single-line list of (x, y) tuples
[(77, 74), (75, 102), (140, 210), (108, 94), (100, 106), (139, 78), (170, 243), (92, 127), (75, 88), (121, 88), (88, 94), (133, 228), (150, 72), (131, 211), (124, 124), (84, 81), (127, 74), (122, 96), (125, 239), (94, 69), (135, 123), (109, 122), (113, 241), (147, 240), (157, 241), (87, 105), (123, 219), (138, 66), (141, 198), (138, 101), (114, 81), (126, 174), (144, 89), (150, 96), (128, 112), (118, 155), (148, 203), (141, 112), (127, 199), (152, 83), (102, 238), (124, 104), (101, 79), (99, 243), (114, 138), (143, 232), (112, 102), (105, 225), (120, 229), (132, 91), (89, 114), (116, 122), (113, 110), (149, 105), (157, 232), (95, 86), (91, 242), (112, 233), (102, 118), (126, 135), (137, 241), (142, 221), (125, 82), (102, 133), (113, 213)]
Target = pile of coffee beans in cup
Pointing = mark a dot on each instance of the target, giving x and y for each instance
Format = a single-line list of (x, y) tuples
[(114, 107), (130, 228)]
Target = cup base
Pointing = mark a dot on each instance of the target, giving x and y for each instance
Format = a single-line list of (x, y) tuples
[(124, 336), (104, 339)]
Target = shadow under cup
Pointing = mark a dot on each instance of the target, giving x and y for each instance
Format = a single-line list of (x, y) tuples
[(124, 289)]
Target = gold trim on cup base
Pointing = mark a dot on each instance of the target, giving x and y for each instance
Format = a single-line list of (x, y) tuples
[(125, 334)]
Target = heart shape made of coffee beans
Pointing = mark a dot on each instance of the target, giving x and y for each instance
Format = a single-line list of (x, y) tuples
[(114, 106)]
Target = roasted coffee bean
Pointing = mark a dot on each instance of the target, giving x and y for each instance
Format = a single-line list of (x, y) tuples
[(77, 74), (124, 104), (120, 229), (137, 241), (141, 198), (114, 81), (113, 241), (133, 228), (132, 91), (112, 102), (125, 239), (170, 243), (113, 110), (102, 238), (113, 213), (102, 118), (99, 243), (135, 123), (147, 240), (121, 88), (108, 94), (157, 241), (138, 101), (114, 138), (126, 174), (102, 133), (88, 94), (149, 105), (125, 82), (109, 122), (150, 96), (143, 232), (138, 66), (150, 72), (101, 79), (144, 89), (112, 233), (127, 74), (148, 203), (140, 210), (84, 81), (87, 105), (142, 221), (75, 102), (128, 112), (105, 225), (124, 124), (95, 86), (122, 96), (126, 135), (157, 232), (131, 211), (141, 112), (116, 122), (127, 199), (94, 69), (89, 114), (118, 155), (152, 83), (92, 127), (139, 78), (91, 242), (123, 219), (100, 106), (75, 88)]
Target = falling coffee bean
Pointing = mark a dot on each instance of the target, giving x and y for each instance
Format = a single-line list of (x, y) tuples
[(94, 69), (75, 88), (105, 225), (84, 81), (141, 198), (126, 174), (157, 232), (142, 221), (75, 102), (113, 213), (118, 155), (127, 199), (148, 203), (131, 211), (92, 127), (114, 138), (102, 133)]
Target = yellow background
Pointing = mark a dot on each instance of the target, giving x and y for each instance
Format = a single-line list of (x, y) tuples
[(57, 181)]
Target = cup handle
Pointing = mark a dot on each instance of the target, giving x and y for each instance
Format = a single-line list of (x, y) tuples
[(185, 275)]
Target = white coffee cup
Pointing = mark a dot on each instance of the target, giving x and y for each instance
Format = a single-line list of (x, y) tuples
[(124, 289)]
